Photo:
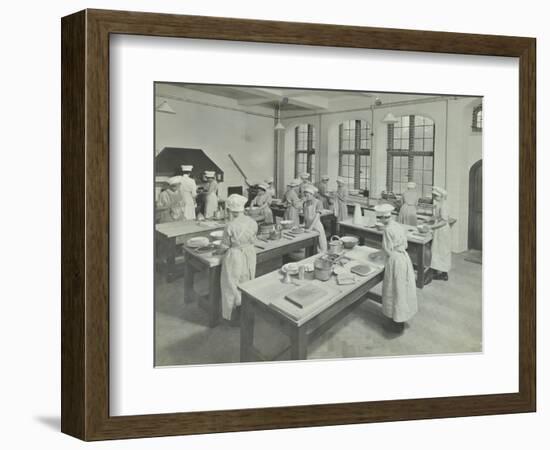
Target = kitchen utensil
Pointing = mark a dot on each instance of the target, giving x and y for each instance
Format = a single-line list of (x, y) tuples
[(322, 268), (286, 224), (218, 234), (349, 241), (357, 215), (335, 245), (197, 242), (291, 268), (361, 269)]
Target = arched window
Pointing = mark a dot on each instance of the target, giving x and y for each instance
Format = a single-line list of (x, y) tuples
[(354, 161), (477, 118), (305, 140), (410, 155)]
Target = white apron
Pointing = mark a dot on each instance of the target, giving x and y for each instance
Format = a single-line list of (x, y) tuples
[(172, 201), (211, 201), (239, 262), (407, 213), (293, 205), (340, 205), (311, 209), (264, 201), (188, 190), (399, 301), (441, 243)]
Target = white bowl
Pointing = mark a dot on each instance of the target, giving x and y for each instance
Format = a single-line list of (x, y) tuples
[(291, 268), (216, 234)]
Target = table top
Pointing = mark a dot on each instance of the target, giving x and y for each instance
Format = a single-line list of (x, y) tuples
[(412, 234), (262, 247), (270, 289), (182, 227)]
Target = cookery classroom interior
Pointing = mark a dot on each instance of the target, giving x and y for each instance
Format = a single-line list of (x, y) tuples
[(308, 224)]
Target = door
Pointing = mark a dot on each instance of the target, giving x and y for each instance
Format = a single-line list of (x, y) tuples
[(475, 218)]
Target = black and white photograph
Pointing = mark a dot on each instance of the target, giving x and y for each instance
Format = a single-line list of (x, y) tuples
[(294, 223)]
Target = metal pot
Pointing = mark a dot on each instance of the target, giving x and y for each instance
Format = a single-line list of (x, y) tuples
[(275, 233), (335, 246), (322, 269)]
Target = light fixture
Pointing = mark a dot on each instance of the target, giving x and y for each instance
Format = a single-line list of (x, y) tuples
[(279, 126), (377, 101), (390, 118), (165, 108)]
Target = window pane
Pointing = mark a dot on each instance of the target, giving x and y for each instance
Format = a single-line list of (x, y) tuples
[(429, 131), (418, 132)]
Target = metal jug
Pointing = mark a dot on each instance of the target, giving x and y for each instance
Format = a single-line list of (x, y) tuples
[(335, 246)]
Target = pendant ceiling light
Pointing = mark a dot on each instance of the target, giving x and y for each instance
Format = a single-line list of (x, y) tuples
[(279, 126), (390, 118)]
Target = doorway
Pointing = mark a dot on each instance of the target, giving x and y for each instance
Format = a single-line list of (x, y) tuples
[(475, 208)]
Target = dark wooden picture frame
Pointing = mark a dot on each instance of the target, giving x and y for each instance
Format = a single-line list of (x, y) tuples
[(85, 224)]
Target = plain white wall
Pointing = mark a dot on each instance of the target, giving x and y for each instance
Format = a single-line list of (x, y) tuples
[(213, 124), (30, 121)]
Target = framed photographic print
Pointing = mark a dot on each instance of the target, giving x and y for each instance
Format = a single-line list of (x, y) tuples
[(271, 224)]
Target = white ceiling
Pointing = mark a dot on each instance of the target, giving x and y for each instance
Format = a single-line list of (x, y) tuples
[(295, 99)]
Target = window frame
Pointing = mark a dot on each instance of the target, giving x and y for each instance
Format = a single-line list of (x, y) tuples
[(357, 152), (309, 151)]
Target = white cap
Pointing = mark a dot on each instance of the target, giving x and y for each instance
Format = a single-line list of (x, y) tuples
[(186, 168), (209, 173), (269, 180), (325, 177), (294, 182), (384, 209), (236, 202), (439, 191), (341, 180), (304, 175), (174, 180), (263, 186), (310, 188), (411, 185)]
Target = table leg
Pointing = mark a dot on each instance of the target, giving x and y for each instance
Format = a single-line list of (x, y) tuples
[(247, 330), (214, 296), (421, 267), (188, 282), (298, 344), (170, 246)]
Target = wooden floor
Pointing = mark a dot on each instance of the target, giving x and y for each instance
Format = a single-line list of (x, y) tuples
[(449, 321)]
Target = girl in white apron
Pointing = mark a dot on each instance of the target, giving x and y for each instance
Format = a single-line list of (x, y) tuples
[(170, 202), (441, 243), (313, 208), (239, 261), (293, 203), (211, 202), (263, 201), (340, 200), (188, 191), (399, 301), (407, 213)]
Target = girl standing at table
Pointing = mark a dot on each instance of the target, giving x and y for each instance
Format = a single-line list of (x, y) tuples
[(211, 202), (399, 301), (239, 261), (188, 189), (340, 200), (170, 202), (270, 188), (323, 191), (407, 213), (292, 202), (441, 244), (263, 202), (313, 209)]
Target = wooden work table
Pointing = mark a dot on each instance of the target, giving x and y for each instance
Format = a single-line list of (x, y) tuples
[(269, 254), (171, 234), (419, 246), (265, 297)]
